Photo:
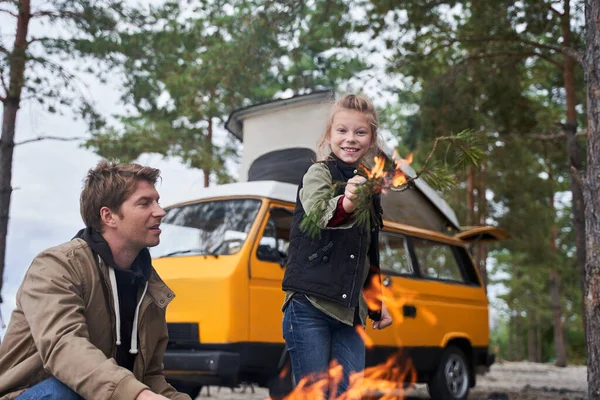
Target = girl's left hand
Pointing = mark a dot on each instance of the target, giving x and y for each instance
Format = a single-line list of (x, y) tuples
[(386, 319)]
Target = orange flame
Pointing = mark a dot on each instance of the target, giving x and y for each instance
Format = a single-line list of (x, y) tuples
[(391, 380), (363, 335), (377, 170), (395, 177)]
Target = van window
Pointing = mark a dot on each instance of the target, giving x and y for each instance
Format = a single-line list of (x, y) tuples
[(273, 245), (437, 260), (209, 228), (394, 256)]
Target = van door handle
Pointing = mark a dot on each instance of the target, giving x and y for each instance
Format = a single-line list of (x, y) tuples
[(408, 310)]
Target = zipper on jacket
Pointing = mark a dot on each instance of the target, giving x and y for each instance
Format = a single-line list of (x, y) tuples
[(356, 268)]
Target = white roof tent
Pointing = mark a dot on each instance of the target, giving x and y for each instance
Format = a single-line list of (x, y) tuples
[(280, 139)]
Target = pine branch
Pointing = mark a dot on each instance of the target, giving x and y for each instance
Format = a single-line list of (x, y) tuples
[(439, 177), (310, 222), (59, 138)]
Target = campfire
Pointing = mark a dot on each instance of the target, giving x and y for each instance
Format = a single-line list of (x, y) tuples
[(393, 379)]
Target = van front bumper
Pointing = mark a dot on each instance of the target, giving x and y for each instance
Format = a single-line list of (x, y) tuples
[(218, 363)]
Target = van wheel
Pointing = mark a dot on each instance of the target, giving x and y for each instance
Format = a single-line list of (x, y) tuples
[(452, 378), (282, 384), (190, 389)]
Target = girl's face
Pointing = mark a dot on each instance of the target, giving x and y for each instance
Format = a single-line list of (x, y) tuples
[(350, 136)]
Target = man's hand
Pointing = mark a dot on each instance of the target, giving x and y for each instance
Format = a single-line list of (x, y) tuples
[(148, 395), (386, 319), (350, 192)]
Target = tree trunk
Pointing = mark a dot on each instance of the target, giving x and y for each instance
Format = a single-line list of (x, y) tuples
[(511, 338), (209, 135), (531, 338), (9, 119), (538, 353), (470, 197), (559, 336), (592, 197), (573, 148), (560, 346), (481, 250), (518, 337)]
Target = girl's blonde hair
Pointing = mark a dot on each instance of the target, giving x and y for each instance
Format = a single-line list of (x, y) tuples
[(350, 102)]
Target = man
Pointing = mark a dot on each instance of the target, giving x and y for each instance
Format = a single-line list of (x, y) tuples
[(90, 316)]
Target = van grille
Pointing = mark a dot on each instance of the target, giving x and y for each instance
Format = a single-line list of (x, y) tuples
[(180, 333)]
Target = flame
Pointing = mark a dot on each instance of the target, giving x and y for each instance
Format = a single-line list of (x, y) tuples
[(378, 169), (394, 177), (363, 335), (391, 380)]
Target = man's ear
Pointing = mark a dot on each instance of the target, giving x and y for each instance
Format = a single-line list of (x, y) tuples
[(108, 217)]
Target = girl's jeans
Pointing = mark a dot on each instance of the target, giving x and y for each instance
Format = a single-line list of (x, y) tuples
[(49, 389), (314, 339)]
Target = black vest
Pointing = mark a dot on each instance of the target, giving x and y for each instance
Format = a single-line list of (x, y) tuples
[(331, 266)]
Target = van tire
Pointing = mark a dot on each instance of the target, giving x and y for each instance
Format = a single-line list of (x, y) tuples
[(452, 379)]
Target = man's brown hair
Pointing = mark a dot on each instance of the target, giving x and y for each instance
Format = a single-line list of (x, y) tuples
[(109, 185)]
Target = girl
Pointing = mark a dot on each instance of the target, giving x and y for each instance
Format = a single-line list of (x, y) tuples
[(325, 275)]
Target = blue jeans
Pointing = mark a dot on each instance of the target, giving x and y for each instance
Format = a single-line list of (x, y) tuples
[(49, 389), (315, 339)]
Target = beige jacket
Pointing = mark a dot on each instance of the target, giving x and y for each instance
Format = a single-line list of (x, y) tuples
[(64, 326)]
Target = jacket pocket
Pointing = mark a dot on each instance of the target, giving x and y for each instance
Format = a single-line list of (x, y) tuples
[(322, 253)]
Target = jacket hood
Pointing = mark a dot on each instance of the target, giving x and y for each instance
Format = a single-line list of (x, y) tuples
[(140, 270)]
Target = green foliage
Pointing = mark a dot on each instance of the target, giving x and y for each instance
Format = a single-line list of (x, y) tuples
[(194, 63)]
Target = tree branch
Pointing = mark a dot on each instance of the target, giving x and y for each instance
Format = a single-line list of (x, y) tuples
[(517, 54), (555, 11), (555, 136), (577, 175), (4, 85), (54, 14), (59, 138), (3, 10), (3, 50), (576, 55)]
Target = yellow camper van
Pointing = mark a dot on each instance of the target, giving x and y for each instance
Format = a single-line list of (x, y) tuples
[(224, 257), (223, 253)]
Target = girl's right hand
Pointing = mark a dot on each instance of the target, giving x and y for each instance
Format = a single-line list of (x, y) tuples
[(350, 192)]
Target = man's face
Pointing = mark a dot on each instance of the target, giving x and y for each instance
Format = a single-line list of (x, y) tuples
[(141, 214)]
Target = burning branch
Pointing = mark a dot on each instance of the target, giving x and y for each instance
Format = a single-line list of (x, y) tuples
[(387, 174)]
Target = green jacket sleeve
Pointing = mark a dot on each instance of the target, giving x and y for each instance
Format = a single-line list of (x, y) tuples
[(315, 183)]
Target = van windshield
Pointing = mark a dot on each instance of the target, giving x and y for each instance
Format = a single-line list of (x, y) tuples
[(207, 228)]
